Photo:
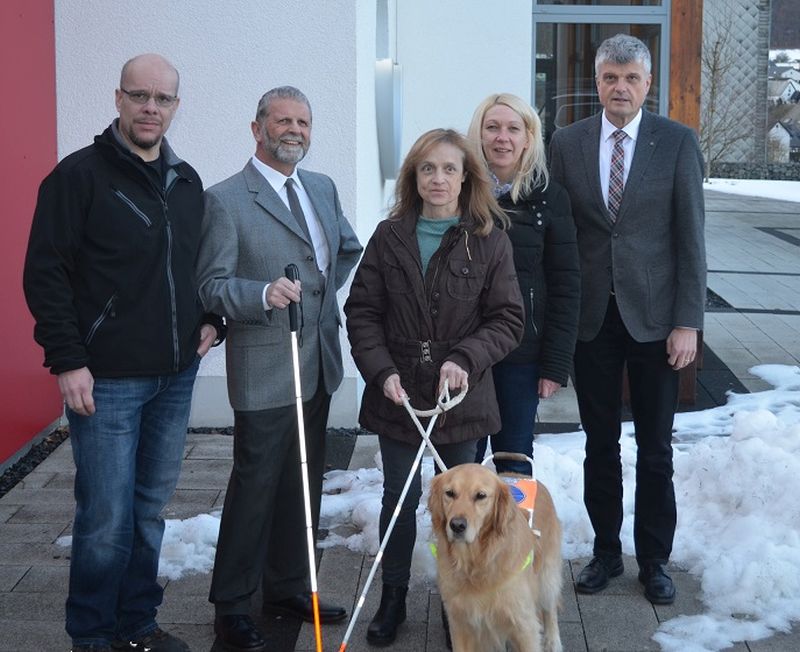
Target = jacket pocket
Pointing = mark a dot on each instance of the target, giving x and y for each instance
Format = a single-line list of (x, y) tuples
[(395, 277), (465, 279), (134, 208), (108, 310)]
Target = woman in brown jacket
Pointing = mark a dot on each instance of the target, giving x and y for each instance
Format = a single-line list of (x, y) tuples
[(434, 298)]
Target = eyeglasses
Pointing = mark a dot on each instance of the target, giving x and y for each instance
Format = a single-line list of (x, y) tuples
[(143, 97)]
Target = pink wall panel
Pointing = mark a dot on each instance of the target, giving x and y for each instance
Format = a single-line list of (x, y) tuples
[(28, 394)]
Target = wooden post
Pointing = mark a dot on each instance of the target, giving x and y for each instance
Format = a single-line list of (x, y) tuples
[(686, 44)]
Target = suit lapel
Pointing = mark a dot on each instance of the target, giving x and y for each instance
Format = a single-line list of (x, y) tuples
[(590, 145), (268, 199), (646, 143), (322, 201)]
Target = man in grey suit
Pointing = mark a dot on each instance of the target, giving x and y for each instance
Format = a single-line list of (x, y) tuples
[(635, 181), (256, 223)]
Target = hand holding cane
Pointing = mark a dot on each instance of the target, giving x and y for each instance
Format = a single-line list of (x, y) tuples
[(291, 274)]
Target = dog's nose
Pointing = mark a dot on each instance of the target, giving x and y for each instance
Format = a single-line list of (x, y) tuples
[(458, 524)]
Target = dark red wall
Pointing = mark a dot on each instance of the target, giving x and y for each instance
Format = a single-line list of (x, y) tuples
[(29, 397)]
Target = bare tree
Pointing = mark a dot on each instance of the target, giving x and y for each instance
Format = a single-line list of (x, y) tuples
[(777, 151), (721, 126)]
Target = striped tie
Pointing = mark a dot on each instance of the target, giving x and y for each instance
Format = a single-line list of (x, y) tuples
[(616, 182)]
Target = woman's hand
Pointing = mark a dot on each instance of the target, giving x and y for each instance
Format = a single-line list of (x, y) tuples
[(548, 387), (455, 376), (393, 390)]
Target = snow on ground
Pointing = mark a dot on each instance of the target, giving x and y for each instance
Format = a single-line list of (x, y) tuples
[(785, 190)]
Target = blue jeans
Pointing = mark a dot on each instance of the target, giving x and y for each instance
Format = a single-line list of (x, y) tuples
[(127, 459), (517, 390)]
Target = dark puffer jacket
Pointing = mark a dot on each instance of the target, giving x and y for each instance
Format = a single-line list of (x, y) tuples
[(542, 234), (467, 310)]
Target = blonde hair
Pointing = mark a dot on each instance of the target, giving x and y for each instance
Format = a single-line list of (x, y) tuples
[(531, 170), (476, 202)]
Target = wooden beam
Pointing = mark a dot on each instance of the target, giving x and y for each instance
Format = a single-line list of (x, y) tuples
[(686, 43)]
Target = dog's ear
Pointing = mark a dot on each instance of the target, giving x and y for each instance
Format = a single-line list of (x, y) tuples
[(435, 505), (504, 507)]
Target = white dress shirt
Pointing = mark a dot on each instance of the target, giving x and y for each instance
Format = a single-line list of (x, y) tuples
[(607, 145), (322, 252)]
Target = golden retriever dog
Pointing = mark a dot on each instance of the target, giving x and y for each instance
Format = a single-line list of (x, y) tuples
[(492, 593)]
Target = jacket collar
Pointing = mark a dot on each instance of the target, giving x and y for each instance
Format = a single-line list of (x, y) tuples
[(269, 200)]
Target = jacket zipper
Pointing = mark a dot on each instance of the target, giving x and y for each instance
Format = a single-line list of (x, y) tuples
[(137, 211), (533, 312), (108, 309), (170, 278)]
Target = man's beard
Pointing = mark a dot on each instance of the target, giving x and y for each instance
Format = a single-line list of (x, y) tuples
[(142, 143), (290, 154)]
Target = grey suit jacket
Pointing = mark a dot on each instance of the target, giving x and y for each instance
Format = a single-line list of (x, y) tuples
[(653, 256), (248, 238)]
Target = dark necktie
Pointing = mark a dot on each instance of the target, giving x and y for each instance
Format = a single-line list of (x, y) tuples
[(616, 177), (294, 206)]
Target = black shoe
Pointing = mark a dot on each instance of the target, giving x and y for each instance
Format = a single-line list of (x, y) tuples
[(595, 575), (301, 606), (448, 641), (238, 633), (658, 586), (392, 611), (156, 641)]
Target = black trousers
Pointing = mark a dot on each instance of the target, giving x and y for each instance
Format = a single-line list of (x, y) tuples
[(398, 458), (262, 535), (654, 398)]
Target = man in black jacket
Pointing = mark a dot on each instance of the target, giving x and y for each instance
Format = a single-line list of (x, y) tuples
[(109, 278)]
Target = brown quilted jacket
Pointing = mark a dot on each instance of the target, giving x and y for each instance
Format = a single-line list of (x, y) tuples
[(467, 309)]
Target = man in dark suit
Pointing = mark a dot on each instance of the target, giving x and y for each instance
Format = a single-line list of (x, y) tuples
[(635, 181), (256, 222)]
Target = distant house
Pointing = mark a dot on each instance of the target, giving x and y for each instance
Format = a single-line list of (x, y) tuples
[(784, 142), (783, 91), (780, 69), (791, 73)]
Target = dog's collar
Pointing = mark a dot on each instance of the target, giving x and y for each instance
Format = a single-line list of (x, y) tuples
[(528, 560)]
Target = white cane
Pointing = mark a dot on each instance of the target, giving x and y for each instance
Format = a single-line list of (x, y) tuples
[(443, 403), (291, 274)]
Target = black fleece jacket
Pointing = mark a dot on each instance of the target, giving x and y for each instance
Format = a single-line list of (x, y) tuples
[(110, 269)]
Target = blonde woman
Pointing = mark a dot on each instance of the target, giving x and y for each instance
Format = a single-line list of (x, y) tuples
[(508, 136)]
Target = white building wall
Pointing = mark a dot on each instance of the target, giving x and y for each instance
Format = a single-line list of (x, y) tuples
[(453, 53), (456, 52)]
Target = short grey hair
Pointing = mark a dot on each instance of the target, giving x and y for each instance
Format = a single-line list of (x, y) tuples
[(622, 49), (280, 93)]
